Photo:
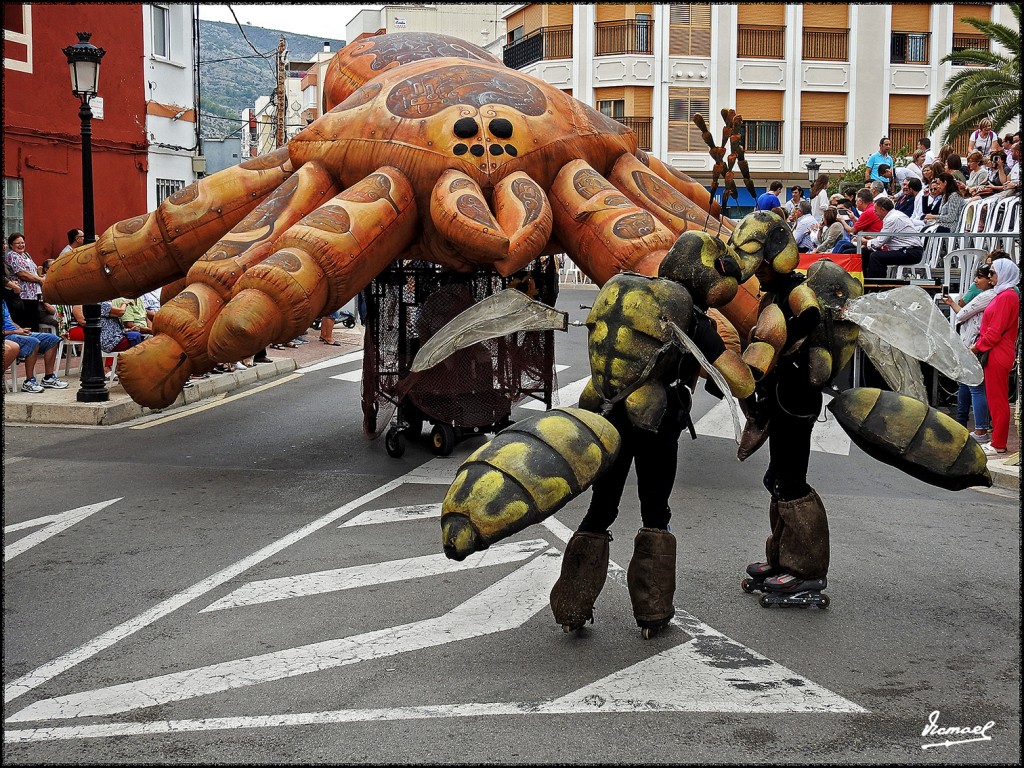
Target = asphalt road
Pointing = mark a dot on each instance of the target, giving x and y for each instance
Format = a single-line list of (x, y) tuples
[(256, 582)]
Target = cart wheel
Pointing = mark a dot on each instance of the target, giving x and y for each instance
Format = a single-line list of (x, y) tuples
[(394, 442), (443, 439), (348, 321)]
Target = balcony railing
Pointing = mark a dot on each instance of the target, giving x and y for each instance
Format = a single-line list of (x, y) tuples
[(826, 44), (761, 42), (543, 43), (962, 42), (822, 138), (623, 37), (909, 47), (762, 135), (904, 138), (642, 127)]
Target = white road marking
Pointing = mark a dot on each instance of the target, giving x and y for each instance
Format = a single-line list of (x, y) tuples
[(54, 525), (51, 669), (218, 403), (339, 579), (334, 361), (568, 396), (394, 515), (826, 437), (34, 523), (505, 605), (356, 375)]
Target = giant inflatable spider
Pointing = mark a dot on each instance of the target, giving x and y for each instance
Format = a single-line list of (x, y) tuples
[(430, 149)]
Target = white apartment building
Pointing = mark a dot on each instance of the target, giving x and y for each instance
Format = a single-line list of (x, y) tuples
[(477, 23), (821, 80), (171, 111)]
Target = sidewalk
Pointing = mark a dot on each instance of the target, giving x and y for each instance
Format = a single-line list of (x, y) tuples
[(60, 406)]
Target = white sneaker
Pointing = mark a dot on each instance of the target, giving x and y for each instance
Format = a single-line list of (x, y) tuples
[(30, 385), (240, 366), (52, 382)]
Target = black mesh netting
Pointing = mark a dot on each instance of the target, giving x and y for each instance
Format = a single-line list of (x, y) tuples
[(473, 388)]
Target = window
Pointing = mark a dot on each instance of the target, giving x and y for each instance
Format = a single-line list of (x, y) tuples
[(689, 29), (515, 35), (167, 187), (18, 36), (161, 31), (683, 104), (14, 207), (613, 108)]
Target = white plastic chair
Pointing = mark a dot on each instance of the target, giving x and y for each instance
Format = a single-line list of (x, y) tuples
[(968, 260), (573, 274)]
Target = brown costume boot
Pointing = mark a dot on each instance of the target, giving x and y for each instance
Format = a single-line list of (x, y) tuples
[(803, 541), (651, 578), (584, 570)]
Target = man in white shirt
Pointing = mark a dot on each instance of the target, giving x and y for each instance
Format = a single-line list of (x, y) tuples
[(76, 237), (804, 225), (878, 190), (926, 144), (898, 234)]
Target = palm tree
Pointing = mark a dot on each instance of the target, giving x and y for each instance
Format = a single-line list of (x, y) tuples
[(990, 88)]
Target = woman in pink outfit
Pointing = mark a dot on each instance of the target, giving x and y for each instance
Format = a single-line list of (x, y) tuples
[(998, 336)]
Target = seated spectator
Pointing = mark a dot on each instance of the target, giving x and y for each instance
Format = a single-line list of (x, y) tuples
[(951, 207), (30, 344), (802, 230), (76, 238), (796, 194), (898, 237), (113, 336), (831, 231), (770, 199), (878, 189), (977, 173), (11, 352), (1004, 181), (151, 301), (134, 317), (867, 219), (954, 163)]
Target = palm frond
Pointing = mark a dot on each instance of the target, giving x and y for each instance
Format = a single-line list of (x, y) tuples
[(1006, 37)]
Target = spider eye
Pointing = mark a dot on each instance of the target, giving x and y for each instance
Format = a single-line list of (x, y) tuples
[(466, 128), (501, 128)]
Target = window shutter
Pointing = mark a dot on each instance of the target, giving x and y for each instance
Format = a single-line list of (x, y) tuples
[(762, 14), (759, 105), (907, 110), (911, 17), (827, 15), (610, 12), (559, 14), (823, 107), (960, 10)]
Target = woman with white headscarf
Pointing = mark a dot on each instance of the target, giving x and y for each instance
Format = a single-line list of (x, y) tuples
[(1000, 324)]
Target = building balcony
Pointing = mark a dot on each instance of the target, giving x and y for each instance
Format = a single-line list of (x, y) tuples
[(623, 37), (826, 44), (760, 42), (904, 138), (762, 136), (540, 44), (642, 127), (822, 138), (909, 47), (964, 42)]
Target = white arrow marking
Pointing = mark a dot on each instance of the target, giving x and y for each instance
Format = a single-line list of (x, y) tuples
[(568, 396), (339, 579), (505, 605), (57, 523), (34, 523), (395, 515), (826, 437)]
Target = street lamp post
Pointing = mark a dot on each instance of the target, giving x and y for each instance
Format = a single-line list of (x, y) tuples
[(84, 61), (812, 170)]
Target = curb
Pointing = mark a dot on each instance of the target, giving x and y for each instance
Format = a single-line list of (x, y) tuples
[(1004, 476)]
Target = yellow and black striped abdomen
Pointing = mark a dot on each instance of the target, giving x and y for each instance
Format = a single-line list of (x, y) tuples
[(523, 476), (913, 437)]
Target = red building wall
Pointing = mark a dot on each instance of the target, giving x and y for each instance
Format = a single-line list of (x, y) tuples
[(42, 142)]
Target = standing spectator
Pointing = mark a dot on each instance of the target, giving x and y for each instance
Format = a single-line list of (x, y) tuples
[(76, 237), (881, 157), (983, 138), (968, 310), (30, 284), (327, 328), (898, 235), (802, 230), (888, 179), (925, 144), (1000, 324), (951, 207), (796, 194), (915, 167), (819, 197), (832, 232), (770, 199), (30, 344)]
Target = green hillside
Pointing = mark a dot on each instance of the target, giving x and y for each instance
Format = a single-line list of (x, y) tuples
[(232, 76)]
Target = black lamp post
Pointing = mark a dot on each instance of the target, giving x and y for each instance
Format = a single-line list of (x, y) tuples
[(84, 61), (812, 170)]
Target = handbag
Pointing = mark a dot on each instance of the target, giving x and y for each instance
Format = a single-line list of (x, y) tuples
[(983, 357)]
